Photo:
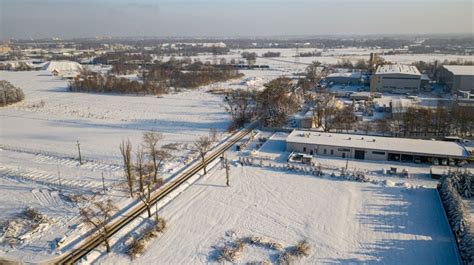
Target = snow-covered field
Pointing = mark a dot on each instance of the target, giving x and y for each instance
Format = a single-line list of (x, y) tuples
[(38, 151), (344, 222)]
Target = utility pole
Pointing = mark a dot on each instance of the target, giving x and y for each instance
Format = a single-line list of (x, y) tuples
[(347, 162), (227, 171), (79, 151), (103, 182)]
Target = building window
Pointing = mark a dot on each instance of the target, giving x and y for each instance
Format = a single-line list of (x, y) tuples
[(304, 149), (332, 152), (378, 153), (325, 151)]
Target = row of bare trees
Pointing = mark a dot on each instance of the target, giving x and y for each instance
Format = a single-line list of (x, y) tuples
[(186, 73), (144, 171), (149, 158), (430, 122), (93, 82), (203, 145)]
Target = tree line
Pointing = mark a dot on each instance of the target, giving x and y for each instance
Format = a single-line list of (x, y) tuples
[(419, 121), (280, 98), (189, 74), (94, 82)]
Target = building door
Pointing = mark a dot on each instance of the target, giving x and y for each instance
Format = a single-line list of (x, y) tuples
[(343, 155), (359, 154)]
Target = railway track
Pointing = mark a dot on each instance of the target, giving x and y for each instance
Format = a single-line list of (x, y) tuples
[(95, 240)]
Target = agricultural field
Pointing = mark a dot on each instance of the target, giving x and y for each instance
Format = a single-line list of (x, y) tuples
[(39, 164)]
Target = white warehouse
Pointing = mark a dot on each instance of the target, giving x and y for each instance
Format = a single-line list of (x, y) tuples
[(374, 147), (397, 78)]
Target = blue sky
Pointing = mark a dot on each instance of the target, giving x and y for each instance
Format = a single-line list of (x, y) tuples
[(88, 18)]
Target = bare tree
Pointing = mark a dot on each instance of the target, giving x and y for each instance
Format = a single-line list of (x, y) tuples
[(383, 126), (314, 72), (145, 195), (155, 154), (139, 166), (202, 146), (126, 151), (240, 105), (98, 216), (213, 135)]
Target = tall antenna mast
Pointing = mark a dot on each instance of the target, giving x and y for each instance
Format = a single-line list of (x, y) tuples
[(297, 57)]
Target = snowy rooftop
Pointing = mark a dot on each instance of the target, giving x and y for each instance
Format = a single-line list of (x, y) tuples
[(62, 66), (348, 75), (460, 69), (403, 145), (398, 69)]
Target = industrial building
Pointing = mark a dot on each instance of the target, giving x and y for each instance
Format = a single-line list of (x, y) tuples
[(375, 147), (457, 77), (397, 78)]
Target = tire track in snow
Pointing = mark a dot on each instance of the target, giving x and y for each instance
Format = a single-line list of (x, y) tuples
[(46, 197)]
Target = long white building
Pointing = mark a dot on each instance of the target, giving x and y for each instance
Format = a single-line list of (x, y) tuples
[(397, 78), (374, 147)]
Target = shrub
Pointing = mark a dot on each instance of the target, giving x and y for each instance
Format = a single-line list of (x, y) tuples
[(10, 94), (302, 248), (286, 258), (160, 224), (231, 252), (291, 254), (136, 248), (34, 215)]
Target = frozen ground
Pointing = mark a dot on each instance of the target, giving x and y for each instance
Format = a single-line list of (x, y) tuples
[(344, 222), (38, 152)]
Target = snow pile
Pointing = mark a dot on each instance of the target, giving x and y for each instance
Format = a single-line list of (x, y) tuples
[(62, 66), (389, 183), (16, 231)]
